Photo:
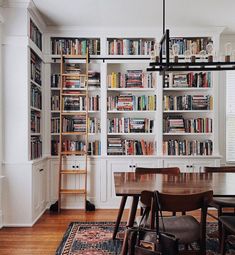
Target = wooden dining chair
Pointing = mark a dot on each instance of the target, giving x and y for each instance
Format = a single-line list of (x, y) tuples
[(185, 227), (221, 202), (228, 228), (142, 170)]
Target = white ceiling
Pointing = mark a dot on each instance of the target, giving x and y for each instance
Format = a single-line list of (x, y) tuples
[(136, 13)]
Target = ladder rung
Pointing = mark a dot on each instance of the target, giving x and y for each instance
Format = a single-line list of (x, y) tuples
[(82, 171), (74, 56), (73, 153), (74, 133), (73, 191), (75, 113), (74, 75), (74, 94)]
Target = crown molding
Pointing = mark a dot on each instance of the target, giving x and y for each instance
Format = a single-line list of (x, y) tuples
[(36, 15), (15, 3)]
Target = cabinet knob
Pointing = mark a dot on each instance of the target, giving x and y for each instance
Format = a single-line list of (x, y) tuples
[(130, 166), (134, 166), (77, 166), (40, 170), (187, 166), (73, 166)]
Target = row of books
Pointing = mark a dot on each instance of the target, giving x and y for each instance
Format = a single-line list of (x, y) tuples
[(36, 64), (79, 124), (76, 103), (75, 82), (35, 35), (75, 46), (131, 79), (36, 147), (188, 102), (187, 148), (35, 122), (130, 125), (94, 148), (188, 80), (129, 46), (36, 97), (129, 102), (55, 102), (177, 124), (185, 43), (119, 146)]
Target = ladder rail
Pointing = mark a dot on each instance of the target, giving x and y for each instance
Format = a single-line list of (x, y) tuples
[(62, 154)]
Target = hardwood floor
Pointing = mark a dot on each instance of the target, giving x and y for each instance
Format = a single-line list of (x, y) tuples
[(44, 237)]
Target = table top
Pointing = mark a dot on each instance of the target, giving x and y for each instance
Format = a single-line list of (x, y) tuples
[(131, 183)]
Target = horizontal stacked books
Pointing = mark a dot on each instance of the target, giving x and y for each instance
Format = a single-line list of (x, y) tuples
[(55, 146), (185, 43), (75, 46), (118, 146), (187, 148), (76, 103), (55, 81), (35, 35), (130, 125), (55, 124), (177, 124), (36, 63), (94, 148), (129, 102), (188, 80), (130, 46), (131, 79), (93, 78), (36, 97), (188, 102), (36, 147), (35, 122)]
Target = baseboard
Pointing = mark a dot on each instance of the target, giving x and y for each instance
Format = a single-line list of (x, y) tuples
[(1, 219)]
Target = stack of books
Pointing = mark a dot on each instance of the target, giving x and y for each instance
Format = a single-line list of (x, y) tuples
[(173, 124), (93, 78)]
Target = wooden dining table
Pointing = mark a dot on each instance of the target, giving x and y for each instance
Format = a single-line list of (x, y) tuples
[(132, 184)]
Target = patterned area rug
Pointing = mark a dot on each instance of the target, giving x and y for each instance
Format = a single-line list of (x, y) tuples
[(87, 238)]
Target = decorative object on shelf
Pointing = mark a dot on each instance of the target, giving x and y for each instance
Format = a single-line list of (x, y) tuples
[(205, 63)]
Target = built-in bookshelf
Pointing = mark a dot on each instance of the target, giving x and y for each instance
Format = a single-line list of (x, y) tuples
[(75, 102), (75, 46), (35, 105), (35, 35), (130, 46), (188, 119)]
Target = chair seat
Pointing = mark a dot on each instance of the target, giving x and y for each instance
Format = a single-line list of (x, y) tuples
[(223, 202), (228, 222), (186, 228)]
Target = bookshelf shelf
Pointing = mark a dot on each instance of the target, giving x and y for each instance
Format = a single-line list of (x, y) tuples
[(188, 111), (132, 89), (187, 134), (35, 109), (132, 112), (186, 89)]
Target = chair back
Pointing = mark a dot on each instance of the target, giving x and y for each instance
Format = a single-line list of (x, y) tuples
[(189, 202), (220, 169), (168, 170)]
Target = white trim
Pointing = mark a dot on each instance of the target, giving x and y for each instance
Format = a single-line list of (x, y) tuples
[(16, 3), (1, 219)]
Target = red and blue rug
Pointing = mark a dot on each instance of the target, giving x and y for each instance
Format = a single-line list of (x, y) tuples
[(95, 238)]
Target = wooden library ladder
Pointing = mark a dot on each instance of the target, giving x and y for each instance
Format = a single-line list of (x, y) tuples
[(63, 151)]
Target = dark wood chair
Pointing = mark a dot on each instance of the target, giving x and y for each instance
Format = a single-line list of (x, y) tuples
[(221, 202), (185, 227), (142, 170), (228, 228)]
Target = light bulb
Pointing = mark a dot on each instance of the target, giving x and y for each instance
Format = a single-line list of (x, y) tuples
[(228, 51), (187, 55), (210, 51), (203, 55), (175, 51), (193, 49)]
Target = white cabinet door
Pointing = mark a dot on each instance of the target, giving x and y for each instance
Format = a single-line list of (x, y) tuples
[(115, 165), (182, 164), (39, 185), (198, 165), (148, 163), (54, 180)]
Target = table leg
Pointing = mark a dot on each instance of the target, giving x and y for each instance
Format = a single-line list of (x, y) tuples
[(133, 210), (119, 217)]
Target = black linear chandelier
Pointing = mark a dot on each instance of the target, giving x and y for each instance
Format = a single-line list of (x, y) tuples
[(161, 59)]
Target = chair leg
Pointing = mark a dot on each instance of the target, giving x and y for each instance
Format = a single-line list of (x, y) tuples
[(219, 225), (223, 241)]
